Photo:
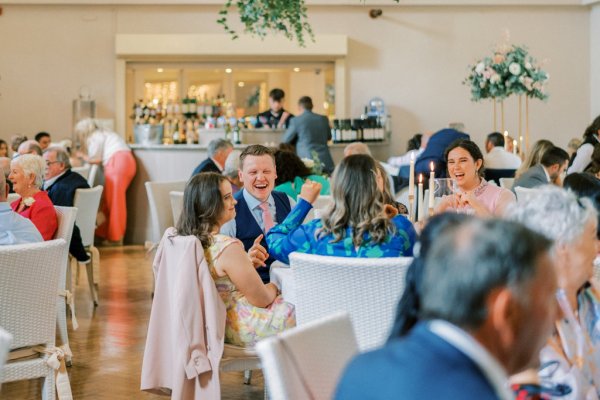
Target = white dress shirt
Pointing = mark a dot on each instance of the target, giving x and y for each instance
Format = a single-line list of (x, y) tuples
[(499, 158), (103, 145), (466, 344)]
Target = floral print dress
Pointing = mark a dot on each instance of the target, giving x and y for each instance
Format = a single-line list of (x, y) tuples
[(247, 324)]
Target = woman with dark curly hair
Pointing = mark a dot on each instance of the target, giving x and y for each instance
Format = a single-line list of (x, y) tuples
[(292, 173)]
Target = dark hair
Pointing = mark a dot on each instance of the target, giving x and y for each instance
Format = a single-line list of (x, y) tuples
[(277, 94), (4, 142), (554, 155), (593, 128), (471, 148), (409, 306), (41, 135), (305, 102), (289, 166), (255, 150), (585, 185), (496, 139), (594, 166), (465, 265), (414, 143), (202, 207)]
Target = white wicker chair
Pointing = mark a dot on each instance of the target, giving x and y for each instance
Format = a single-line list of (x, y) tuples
[(367, 288), (322, 202), (5, 341), (176, 204), (83, 171), (87, 202), (507, 183), (66, 221), (307, 361), (523, 193), (159, 202), (91, 179), (28, 284)]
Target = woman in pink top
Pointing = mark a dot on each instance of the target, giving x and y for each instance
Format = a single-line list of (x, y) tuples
[(109, 149), (473, 194)]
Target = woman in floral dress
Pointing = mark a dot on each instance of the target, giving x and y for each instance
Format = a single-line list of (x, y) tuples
[(254, 310)]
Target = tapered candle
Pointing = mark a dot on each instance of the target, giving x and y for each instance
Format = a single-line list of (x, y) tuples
[(411, 176), (431, 182), (505, 140), (521, 148), (420, 199), (514, 146)]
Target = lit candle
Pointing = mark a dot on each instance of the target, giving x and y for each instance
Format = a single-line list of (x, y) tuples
[(521, 148), (505, 140), (515, 146), (420, 199), (431, 182), (411, 176), (411, 188)]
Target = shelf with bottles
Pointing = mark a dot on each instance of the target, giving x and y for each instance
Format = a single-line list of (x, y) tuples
[(364, 129)]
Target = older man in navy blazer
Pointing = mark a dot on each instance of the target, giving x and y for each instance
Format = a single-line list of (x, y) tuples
[(61, 183), (487, 296)]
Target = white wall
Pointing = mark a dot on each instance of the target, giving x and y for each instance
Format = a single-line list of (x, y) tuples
[(415, 58), (595, 61)]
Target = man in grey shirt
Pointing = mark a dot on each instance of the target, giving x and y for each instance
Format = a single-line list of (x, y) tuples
[(14, 229)]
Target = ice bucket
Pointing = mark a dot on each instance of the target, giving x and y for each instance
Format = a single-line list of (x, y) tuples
[(148, 134)]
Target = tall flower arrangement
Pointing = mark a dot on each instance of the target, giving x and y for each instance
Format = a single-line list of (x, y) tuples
[(511, 70)]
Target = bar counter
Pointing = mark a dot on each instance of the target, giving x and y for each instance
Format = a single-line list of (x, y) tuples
[(163, 163)]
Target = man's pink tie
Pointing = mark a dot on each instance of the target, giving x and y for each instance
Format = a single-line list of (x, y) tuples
[(267, 217)]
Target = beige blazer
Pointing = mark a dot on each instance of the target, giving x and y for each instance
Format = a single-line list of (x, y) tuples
[(187, 323)]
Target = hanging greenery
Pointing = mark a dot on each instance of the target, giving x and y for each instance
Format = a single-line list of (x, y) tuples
[(261, 17)]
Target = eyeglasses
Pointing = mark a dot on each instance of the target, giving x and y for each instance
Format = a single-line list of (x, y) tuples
[(49, 163)]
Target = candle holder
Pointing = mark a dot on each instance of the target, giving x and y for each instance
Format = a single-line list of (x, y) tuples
[(411, 203)]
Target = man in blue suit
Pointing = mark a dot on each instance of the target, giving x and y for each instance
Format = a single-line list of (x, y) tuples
[(487, 295), (434, 152), (258, 206), (61, 183)]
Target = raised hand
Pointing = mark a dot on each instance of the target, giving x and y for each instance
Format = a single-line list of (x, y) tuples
[(257, 253), (310, 191)]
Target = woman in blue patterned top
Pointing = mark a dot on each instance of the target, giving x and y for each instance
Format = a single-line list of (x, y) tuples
[(357, 224)]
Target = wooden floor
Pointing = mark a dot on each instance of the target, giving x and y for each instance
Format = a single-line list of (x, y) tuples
[(109, 344)]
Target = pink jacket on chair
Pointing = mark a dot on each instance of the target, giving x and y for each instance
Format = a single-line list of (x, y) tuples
[(187, 323)]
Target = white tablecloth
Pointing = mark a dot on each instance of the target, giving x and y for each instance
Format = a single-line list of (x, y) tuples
[(282, 275)]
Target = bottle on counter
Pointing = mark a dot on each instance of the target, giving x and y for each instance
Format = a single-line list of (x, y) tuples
[(335, 131), (175, 135)]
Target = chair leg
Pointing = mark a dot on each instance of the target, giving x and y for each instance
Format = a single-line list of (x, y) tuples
[(96, 263), (48, 389), (247, 376), (90, 275)]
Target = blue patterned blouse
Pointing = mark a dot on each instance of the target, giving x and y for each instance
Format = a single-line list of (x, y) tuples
[(291, 236)]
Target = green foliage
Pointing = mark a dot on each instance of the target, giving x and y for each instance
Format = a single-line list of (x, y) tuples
[(261, 17)]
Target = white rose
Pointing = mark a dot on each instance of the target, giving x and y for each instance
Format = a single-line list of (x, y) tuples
[(495, 78), (528, 65), (480, 68), (482, 85), (514, 68)]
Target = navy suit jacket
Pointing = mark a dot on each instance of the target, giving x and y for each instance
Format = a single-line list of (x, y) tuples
[(62, 193), (207, 165), (247, 229), (419, 366), (436, 146)]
